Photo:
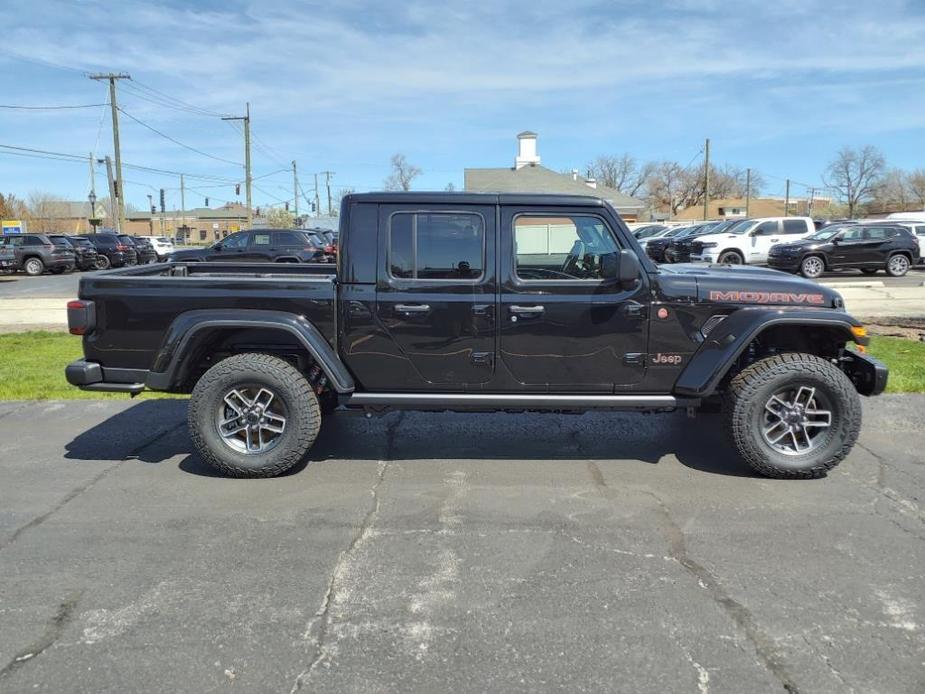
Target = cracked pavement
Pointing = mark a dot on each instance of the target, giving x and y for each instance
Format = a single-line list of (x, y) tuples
[(429, 552)]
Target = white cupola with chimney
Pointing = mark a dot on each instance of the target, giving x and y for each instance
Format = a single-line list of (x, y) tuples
[(526, 150)]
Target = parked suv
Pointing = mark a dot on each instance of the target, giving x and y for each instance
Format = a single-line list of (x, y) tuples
[(111, 252), (35, 253), (162, 245), (87, 257), (259, 245), (869, 248), (679, 247), (657, 249), (143, 248), (750, 240)]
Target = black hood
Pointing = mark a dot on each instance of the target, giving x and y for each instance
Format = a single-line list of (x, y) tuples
[(189, 254), (747, 285)]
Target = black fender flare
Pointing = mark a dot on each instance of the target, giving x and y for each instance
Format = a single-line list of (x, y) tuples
[(728, 340), (170, 365)]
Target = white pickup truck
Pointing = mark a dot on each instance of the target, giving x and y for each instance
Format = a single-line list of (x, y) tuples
[(749, 241)]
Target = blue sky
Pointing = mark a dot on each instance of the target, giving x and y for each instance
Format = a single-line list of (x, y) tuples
[(778, 86)]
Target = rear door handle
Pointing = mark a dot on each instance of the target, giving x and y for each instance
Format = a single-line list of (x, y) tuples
[(412, 308), (526, 309)]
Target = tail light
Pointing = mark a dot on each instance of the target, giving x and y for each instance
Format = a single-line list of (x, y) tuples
[(49, 246), (329, 248), (81, 317), (311, 249), (121, 247)]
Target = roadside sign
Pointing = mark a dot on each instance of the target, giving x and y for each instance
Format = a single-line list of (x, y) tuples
[(234, 227), (12, 226)]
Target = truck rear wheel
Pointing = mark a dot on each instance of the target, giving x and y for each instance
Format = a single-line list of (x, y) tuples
[(792, 415), (253, 415)]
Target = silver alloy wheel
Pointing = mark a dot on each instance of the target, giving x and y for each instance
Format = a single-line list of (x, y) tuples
[(251, 419), (899, 265), (33, 266), (813, 266), (793, 421)]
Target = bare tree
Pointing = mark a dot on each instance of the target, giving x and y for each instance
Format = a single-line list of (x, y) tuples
[(12, 207), (46, 212), (855, 175), (403, 174), (338, 196), (621, 172), (894, 191), (279, 218), (917, 186), (450, 187)]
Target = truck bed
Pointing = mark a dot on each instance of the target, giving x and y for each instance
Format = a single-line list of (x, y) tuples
[(135, 306)]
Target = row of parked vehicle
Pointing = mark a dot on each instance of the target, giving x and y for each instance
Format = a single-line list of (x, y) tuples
[(267, 245), (793, 244), (36, 254)]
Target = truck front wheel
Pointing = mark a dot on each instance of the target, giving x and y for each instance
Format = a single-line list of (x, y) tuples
[(253, 415), (792, 415)]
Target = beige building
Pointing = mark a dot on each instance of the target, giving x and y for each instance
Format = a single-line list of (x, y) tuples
[(734, 208)]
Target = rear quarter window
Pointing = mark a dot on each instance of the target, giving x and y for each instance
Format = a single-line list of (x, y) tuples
[(795, 226)]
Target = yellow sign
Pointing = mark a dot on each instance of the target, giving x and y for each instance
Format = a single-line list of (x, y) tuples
[(12, 226), (234, 227)]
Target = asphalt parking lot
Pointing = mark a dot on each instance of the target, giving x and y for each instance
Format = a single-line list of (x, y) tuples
[(437, 552)]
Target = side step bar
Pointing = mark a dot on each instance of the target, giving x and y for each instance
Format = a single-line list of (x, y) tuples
[(505, 401)]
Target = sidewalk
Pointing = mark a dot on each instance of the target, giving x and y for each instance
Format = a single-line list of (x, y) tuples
[(864, 300)]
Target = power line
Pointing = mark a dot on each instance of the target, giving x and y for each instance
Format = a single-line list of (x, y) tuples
[(179, 103), (177, 142), (49, 108)]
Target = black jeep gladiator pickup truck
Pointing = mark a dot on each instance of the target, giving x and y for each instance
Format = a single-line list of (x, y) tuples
[(510, 302)]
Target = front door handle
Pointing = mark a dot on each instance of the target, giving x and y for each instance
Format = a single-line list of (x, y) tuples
[(412, 308), (527, 309)]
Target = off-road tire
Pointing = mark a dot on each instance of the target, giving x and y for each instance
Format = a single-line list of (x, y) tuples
[(730, 258), (287, 383), (751, 388), (33, 267)]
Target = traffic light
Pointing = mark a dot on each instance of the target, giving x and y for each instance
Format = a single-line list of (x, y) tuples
[(287, 207), (153, 209), (207, 202), (163, 202), (237, 188)]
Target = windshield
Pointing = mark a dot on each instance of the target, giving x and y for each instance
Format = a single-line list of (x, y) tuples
[(826, 233), (648, 232), (720, 228)]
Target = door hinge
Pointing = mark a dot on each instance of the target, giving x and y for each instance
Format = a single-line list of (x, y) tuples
[(487, 358), (634, 359), (635, 310)]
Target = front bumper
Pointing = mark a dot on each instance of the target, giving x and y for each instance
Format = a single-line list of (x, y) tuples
[(869, 375), (88, 375), (784, 263)]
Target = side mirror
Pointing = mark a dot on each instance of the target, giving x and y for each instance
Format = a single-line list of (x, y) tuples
[(836, 240), (217, 246), (754, 232), (624, 267)]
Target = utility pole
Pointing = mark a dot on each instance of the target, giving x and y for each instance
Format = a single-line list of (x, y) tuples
[(112, 186), (787, 200), (182, 209), (295, 188), (317, 201), (247, 158), (706, 179), (327, 183), (812, 202), (118, 188), (748, 190), (92, 195)]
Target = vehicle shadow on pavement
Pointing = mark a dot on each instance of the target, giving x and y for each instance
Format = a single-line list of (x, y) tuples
[(150, 431), (154, 431)]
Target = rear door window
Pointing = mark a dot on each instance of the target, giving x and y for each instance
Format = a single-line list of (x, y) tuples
[(795, 226), (288, 238), (262, 239), (436, 246)]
